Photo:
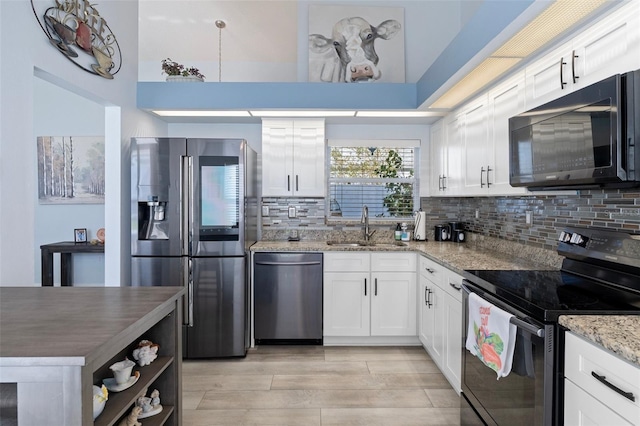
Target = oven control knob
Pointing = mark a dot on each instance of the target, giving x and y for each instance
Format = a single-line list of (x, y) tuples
[(576, 239), (564, 237)]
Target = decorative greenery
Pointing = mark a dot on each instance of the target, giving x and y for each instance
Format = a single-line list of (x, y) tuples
[(399, 202), (171, 67)]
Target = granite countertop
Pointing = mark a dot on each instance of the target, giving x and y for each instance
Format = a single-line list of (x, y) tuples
[(456, 257), (619, 334)]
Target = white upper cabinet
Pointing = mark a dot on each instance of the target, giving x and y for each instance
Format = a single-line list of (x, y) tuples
[(293, 153), (452, 176), (608, 47), (505, 101), (438, 159), (475, 140)]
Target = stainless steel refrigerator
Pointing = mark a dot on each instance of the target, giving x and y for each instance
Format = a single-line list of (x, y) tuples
[(194, 215)]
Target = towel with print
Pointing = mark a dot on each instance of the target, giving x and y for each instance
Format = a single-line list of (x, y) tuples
[(490, 335)]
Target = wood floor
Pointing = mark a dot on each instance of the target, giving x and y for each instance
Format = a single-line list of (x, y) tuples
[(316, 385)]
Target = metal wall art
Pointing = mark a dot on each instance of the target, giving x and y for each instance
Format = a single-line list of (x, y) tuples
[(78, 31)]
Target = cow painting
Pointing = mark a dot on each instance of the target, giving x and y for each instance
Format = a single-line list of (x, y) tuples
[(349, 55)]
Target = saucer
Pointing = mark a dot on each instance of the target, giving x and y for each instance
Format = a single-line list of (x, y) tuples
[(113, 386), (153, 412)]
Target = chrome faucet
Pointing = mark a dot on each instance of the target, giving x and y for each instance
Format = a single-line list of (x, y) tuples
[(365, 220)]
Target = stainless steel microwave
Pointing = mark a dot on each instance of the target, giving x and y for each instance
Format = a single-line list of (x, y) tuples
[(585, 139)]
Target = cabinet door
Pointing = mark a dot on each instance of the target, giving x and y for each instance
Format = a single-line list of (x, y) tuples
[(346, 304), (393, 304), (580, 408), (549, 77), (610, 46), (277, 158), (452, 181), (308, 178), (474, 136), (437, 298), (436, 160), (505, 101), (452, 360), (425, 311)]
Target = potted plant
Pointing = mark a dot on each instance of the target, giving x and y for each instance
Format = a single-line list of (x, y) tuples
[(178, 72)]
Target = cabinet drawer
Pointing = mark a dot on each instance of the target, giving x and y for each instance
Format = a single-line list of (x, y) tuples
[(432, 270), (580, 408), (583, 358), (344, 261), (393, 262), (453, 285)]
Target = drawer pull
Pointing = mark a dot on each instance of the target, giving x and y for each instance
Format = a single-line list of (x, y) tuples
[(429, 270), (457, 287), (603, 380)]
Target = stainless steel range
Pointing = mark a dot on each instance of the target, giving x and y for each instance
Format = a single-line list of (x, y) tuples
[(600, 275)]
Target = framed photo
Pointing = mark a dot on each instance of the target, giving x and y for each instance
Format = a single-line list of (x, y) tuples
[(80, 235)]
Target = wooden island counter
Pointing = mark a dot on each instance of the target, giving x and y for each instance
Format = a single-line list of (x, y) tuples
[(56, 342)]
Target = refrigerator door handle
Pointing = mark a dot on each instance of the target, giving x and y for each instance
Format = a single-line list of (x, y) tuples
[(189, 310), (185, 196)]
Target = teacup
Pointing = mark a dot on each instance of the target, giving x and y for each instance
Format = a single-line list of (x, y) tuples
[(122, 371)]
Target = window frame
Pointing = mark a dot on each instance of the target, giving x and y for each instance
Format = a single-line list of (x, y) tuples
[(415, 144)]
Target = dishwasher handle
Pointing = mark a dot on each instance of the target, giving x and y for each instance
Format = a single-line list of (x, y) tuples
[(263, 262)]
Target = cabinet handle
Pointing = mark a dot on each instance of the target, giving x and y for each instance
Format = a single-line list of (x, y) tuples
[(375, 293), (429, 270), (444, 186), (439, 182), (365, 286), (562, 63), (573, 66), (481, 174), (288, 182), (604, 381), (489, 169), (426, 301), (429, 303), (457, 287), (297, 183)]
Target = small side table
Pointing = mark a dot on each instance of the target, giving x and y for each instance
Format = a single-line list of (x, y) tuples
[(66, 249)]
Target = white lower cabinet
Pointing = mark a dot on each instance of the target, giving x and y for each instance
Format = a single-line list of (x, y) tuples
[(369, 294), (600, 387), (440, 316)]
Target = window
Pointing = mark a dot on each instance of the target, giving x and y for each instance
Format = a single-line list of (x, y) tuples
[(380, 174)]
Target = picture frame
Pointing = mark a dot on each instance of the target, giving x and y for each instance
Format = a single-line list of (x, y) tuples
[(80, 235)]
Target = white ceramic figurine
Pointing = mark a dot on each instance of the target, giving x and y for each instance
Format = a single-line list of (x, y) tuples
[(146, 352)]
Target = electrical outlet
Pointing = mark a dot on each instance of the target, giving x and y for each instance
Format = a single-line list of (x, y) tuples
[(265, 211), (292, 212), (477, 214), (528, 218)]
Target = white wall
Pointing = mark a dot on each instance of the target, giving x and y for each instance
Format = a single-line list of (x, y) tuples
[(56, 222), (25, 52)]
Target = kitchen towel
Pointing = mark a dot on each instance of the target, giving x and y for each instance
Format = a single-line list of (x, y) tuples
[(490, 335)]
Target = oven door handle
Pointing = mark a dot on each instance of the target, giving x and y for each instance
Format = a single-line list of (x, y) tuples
[(528, 327), (518, 322)]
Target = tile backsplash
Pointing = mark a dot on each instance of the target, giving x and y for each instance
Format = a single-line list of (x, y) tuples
[(504, 217), (498, 217)]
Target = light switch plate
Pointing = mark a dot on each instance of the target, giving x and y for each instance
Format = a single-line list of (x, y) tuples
[(265, 211), (292, 212), (528, 218)]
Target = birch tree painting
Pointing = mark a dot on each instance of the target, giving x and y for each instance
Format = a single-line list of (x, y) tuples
[(71, 169)]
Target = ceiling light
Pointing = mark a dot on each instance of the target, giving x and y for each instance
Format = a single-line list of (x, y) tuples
[(202, 113), (397, 114), (318, 113), (557, 18), (482, 75)]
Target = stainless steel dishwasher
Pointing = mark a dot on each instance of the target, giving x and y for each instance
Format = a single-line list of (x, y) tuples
[(288, 298)]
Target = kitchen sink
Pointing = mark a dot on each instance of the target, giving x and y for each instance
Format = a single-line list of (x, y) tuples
[(365, 244)]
